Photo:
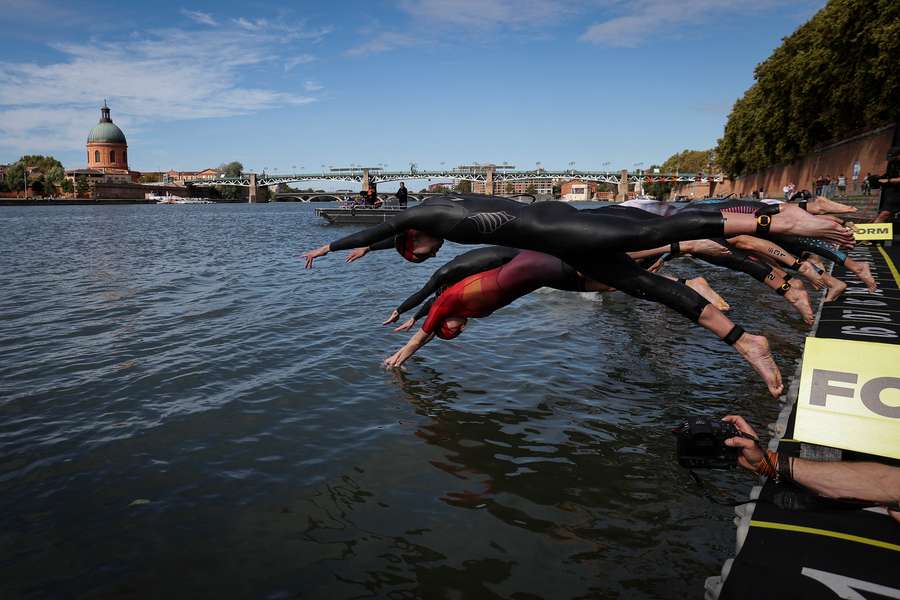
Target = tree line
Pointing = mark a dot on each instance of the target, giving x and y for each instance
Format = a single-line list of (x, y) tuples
[(836, 75)]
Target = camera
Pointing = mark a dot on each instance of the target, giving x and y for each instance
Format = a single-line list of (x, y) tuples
[(700, 444)]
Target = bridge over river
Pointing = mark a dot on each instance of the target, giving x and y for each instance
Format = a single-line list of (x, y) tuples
[(487, 175)]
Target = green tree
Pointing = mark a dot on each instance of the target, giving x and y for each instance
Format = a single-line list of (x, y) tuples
[(530, 190), (688, 161), (835, 75), (510, 188), (47, 169), (66, 186), (81, 187), (464, 186), (232, 169), (15, 176)]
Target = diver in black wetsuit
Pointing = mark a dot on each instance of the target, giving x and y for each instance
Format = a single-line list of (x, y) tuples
[(580, 238)]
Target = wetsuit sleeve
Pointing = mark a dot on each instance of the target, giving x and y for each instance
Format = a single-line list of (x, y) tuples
[(425, 308), (385, 244), (435, 219), (474, 261), (366, 237)]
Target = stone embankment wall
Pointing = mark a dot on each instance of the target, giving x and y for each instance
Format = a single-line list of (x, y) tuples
[(832, 160)]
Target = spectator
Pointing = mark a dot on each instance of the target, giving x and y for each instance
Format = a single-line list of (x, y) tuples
[(890, 187), (866, 481), (787, 191), (402, 195), (842, 185), (867, 184)]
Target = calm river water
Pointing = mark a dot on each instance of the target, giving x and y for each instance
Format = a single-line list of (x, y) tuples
[(185, 412)]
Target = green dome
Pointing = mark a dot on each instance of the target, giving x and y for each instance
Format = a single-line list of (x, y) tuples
[(106, 133)]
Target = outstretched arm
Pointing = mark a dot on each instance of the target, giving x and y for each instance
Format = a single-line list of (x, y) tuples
[(358, 253), (869, 481), (419, 339), (435, 219), (468, 263)]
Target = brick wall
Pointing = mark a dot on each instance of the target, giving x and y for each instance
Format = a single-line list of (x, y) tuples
[(869, 148)]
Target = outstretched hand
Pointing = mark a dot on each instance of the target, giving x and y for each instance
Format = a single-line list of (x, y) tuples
[(357, 253), (752, 457), (393, 318), (312, 255), (395, 360), (405, 326)]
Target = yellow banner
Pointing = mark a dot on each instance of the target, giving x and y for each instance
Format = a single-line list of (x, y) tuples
[(874, 231), (850, 396)]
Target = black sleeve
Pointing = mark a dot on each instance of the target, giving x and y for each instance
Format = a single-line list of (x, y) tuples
[(469, 263), (385, 244), (436, 219), (425, 309)]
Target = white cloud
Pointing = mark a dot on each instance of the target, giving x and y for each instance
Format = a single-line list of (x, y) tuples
[(302, 59), (157, 76), (200, 17), (638, 19), (487, 13), (312, 86), (383, 42)]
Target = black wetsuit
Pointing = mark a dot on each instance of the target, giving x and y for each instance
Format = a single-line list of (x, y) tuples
[(584, 240), (737, 261)]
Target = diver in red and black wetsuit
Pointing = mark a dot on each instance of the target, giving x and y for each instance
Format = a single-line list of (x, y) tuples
[(480, 294)]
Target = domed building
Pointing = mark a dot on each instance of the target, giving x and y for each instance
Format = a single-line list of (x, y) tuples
[(107, 154), (106, 144)]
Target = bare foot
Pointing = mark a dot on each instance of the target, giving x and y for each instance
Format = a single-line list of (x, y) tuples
[(812, 275), (836, 287), (702, 287), (796, 221), (822, 205), (798, 297), (864, 273), (816, 261), (755, 350)]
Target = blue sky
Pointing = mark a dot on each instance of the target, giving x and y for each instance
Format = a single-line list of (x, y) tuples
[(286, 85)]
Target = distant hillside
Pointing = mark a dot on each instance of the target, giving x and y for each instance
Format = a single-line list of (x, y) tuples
[(838, 73)]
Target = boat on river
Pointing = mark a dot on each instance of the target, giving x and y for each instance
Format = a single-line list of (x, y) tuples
[(347, 213)]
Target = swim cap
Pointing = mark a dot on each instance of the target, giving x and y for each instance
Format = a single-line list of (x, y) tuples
[(404, 244), (446, 333)]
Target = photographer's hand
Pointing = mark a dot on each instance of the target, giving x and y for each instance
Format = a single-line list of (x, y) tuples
[(752, 457)]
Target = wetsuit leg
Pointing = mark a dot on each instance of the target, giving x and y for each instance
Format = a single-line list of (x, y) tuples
[(797, 245), (740, 261), (574, 236), (621, 272)]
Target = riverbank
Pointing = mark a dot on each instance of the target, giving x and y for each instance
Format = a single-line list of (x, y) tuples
[(807, 552)]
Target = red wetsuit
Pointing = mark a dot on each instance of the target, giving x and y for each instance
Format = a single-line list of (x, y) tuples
[(481, 294)]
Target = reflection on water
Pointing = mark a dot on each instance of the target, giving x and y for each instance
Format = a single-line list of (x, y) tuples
[(186, 412)]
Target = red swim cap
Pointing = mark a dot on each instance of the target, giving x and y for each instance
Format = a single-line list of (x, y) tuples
[(404, 244), (446, 333)]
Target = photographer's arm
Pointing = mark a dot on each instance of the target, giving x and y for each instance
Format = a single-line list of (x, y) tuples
[(868, 481)]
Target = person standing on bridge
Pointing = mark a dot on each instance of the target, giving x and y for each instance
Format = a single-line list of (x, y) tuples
[(402, 195)]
